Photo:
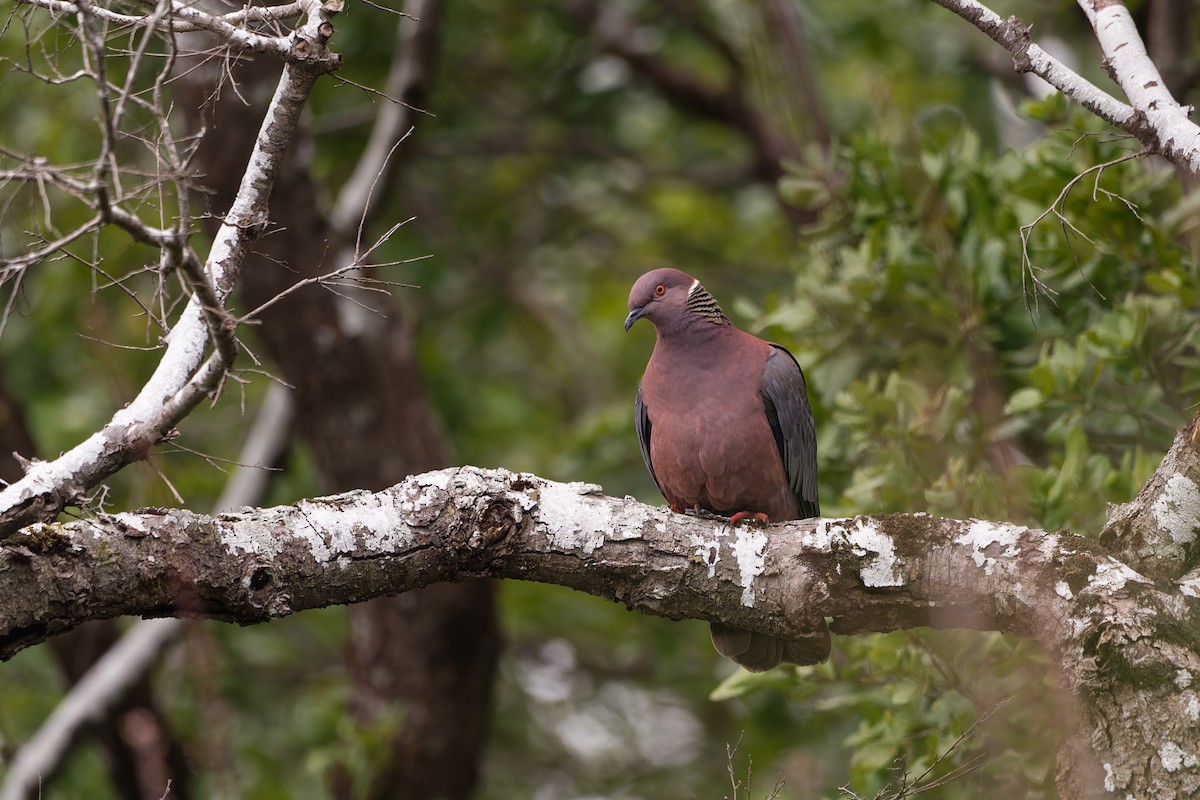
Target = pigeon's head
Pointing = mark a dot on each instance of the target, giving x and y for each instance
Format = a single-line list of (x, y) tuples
[(669, 299)]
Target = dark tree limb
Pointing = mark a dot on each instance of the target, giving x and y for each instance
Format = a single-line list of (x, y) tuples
[(729, 104), (869, 573)]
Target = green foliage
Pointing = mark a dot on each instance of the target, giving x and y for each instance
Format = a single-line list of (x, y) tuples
[(952, 368), (946, 380), (931, 350), (931, 707)]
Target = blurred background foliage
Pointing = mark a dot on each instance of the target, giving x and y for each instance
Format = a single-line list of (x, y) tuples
[(953, 367)]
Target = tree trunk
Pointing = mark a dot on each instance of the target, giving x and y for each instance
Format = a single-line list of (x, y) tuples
[(362, 409)]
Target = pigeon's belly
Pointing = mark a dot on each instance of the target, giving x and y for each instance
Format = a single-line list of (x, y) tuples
[(712, 459)]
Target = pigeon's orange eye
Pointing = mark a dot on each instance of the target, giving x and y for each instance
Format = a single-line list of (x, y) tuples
[(660, 290)]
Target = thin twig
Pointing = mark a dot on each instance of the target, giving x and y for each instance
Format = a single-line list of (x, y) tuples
[(1056, 209)]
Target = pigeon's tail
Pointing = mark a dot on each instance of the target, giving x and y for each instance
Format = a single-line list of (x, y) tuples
[(758, 652)]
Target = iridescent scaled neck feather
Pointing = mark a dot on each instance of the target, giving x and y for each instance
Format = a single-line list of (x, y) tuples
[(702, 304)]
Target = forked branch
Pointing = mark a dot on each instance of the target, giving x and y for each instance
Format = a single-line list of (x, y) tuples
[(188, 371), (1151, 114)]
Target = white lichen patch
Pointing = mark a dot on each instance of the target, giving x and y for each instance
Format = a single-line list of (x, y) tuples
[(1063, 590), (1110, 785), (822, 535), (1175, 758), (882, 570), (377, 518), (422, 496), (132, 521), (524, 500), (317, 527), (750, 551), (253, 539), (416, 502), (1191, 707), (571, 520), (748, 547), (1112, 576), (864, 539), (708, 551), (1177, 509), (983, 536), (361, 520), (1183, 679), (1171, 756)]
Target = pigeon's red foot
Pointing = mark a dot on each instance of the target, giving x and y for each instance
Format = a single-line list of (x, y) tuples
[(744, 515)]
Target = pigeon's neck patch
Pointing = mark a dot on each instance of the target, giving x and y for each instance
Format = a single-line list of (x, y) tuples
[(704, 305)]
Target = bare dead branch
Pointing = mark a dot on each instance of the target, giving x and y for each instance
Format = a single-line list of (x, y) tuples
[(330, 280), (15, 264), (185, 18), (185, 375), (1035, 286), (389, 10)]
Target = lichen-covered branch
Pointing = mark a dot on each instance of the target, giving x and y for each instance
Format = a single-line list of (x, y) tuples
[(1129, 649)]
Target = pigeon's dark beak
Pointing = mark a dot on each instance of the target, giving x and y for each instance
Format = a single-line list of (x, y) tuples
[(633, 317)]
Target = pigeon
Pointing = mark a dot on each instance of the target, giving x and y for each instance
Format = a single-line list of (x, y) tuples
[(725, 427)]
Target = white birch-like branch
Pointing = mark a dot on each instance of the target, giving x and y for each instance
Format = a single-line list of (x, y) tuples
[(87, 702), (186, 375), (1151, 114), (137, 651), (1169, 131), (1013, 35)]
